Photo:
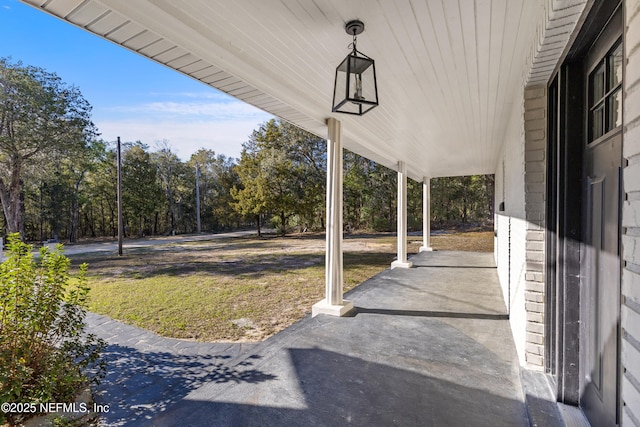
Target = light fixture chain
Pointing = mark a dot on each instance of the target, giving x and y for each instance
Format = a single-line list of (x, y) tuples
[(352, 45)]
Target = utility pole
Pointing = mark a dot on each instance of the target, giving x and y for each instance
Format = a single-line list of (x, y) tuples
[(120, 224), (199, 228)]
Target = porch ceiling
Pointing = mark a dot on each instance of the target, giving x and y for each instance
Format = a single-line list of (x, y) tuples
[(449, 72)]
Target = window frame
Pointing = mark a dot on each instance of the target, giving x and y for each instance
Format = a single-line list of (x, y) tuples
[(608, 95)]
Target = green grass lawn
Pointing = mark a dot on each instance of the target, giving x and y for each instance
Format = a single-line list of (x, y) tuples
[(243, 289)]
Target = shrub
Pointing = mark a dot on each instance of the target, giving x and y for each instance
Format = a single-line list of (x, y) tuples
[(45, 356)]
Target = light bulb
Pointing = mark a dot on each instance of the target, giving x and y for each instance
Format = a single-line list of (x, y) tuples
[(358, 93)]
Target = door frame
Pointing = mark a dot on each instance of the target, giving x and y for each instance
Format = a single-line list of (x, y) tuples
[(564, 233)]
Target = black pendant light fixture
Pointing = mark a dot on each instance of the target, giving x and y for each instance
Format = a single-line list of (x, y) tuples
[(355, 90)]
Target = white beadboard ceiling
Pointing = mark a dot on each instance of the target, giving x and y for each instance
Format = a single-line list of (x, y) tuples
[(450, 72)]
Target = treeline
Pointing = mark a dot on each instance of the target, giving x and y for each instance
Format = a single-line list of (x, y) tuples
[(370, 198), (58, 179), (279, 182), (158, 195)]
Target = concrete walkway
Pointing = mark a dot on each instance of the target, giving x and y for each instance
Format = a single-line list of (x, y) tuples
[(426, 346), (112, 246), (146, 373)]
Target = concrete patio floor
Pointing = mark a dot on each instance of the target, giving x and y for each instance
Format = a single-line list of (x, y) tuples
[(426, 346)]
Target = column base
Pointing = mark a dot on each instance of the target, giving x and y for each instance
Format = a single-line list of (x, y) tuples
[(323, 307), (401, 264), (426, 249)]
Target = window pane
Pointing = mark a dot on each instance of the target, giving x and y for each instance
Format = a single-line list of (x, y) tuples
[(614, 112), (597, 84), (597, 122), (615, 68)]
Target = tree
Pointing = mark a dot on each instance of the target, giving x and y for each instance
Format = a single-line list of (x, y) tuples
[(227, 178), (356, 190), (281, 173), (462, 199), (140, 190), (39, 116), (217, 177), (309, 155), (77, 169), (382, 209), (101, 193), (169, 171), (251, 193)]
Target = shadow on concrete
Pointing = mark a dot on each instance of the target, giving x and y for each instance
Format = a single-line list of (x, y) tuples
[(540, 398), (140, 384), (457, 290), (415, 354), (455, 259), (453, 266), (426, 313), (336, 389), (250, 266)]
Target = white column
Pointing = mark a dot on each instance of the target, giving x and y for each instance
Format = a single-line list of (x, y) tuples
[(333, 303), (426, 215), (402, 218)]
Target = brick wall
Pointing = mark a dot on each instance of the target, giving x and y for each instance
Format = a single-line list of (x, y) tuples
[(520, 184), (502, 254), (535, 125), (630, 310), (519, 311)]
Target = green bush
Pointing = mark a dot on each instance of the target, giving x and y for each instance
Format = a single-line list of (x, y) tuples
[(45, 356)]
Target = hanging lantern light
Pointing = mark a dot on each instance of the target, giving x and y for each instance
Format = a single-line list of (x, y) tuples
[(355, 90)]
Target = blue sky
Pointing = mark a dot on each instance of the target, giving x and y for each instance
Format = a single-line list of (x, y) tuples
[(132, 97)]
